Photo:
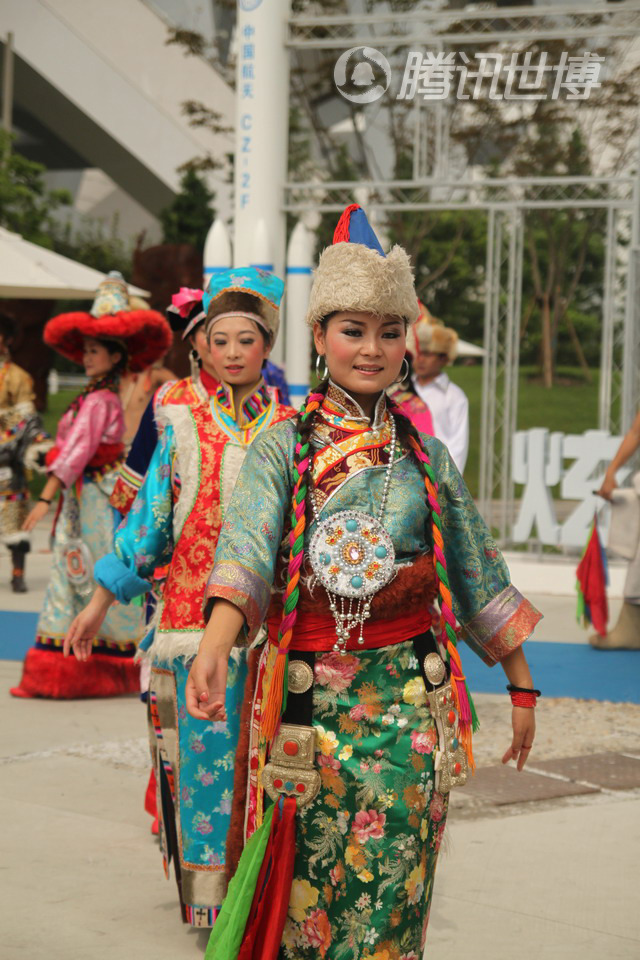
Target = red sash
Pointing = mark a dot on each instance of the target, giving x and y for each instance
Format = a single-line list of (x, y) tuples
[(105, 455), (312, 632)]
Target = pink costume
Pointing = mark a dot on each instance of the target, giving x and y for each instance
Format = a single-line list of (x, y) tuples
[(414, 408), (99, 421), (86, 458)]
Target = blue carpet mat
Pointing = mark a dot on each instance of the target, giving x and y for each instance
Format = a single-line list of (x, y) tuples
[(566, 670), (559, 669), (17, 633)]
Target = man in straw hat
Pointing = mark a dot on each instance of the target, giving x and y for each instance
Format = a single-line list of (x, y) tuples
[(434, 347)]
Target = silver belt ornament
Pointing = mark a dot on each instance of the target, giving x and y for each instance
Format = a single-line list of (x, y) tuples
[(450, 761), (291, 769)]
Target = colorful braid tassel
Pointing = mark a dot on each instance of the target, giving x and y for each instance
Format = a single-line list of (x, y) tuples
[(274, 687), (252, 917), (467, 716), (226, 936)]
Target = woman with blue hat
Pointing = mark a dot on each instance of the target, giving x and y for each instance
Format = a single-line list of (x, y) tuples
[(176, 519)]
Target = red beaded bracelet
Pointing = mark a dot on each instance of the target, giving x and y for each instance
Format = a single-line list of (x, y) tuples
[(520, 699)]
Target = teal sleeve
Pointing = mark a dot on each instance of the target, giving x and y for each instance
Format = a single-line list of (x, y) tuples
[(495, 617), (252, 530), (145, 540)]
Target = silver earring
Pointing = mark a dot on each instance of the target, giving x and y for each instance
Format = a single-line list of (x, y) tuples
[(404, 371), (325, 372)]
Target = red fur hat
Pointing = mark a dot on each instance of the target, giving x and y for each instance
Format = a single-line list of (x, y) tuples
[(145, 334)]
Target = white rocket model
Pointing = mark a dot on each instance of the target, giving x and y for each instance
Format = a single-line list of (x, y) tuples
[(298, 287), (262, 129), (217, 250)]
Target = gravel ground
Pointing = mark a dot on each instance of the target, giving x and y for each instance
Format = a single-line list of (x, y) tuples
[(564, 728)]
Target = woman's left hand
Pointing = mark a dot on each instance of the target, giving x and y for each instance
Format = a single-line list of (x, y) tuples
[(524, 730), (38, 512)]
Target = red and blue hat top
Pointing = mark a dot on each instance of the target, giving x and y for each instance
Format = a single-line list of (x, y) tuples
[(144, 334), (355, 274)]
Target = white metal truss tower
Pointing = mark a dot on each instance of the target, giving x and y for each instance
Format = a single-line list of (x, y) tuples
[(506, 202)]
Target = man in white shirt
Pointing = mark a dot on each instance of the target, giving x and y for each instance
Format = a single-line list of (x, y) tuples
[(434, 346)]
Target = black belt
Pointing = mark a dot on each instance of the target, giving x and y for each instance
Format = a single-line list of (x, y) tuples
[(299, 709)]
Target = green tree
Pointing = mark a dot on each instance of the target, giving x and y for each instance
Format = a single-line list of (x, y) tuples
[(188, 218), (94, 244), (551, 137), (26, 205)]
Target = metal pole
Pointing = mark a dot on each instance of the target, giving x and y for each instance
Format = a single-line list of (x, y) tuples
[(7, 84), (484, 491), (632, 314), (515, 381), (417, 141), (606, 353), (508, 375)]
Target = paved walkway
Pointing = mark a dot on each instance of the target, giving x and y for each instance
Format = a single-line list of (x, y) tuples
[(557, 877), (539, 864)]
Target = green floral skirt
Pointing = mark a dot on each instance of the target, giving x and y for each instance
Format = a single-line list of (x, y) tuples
[(367, 846)]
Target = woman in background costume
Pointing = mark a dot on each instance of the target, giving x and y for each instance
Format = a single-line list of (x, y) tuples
[(83, 467), (403, 395), (355, 705), (186, 316), (176, 518), (23, 444)]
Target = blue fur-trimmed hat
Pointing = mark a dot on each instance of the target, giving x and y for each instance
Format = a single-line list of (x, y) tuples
[(265, 288), (355, 274)]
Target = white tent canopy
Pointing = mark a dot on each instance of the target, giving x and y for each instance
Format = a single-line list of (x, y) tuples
[(35, 273)]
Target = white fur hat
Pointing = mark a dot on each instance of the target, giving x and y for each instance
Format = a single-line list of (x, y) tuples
[(355, 274), (429, 335)]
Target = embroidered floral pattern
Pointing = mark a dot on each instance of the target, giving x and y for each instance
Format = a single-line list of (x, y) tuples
[(205, 776), (367, 847)]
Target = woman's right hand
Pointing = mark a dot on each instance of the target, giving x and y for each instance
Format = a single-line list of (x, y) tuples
[(207, 686), (35, 515), (86, 625), (608, 486)]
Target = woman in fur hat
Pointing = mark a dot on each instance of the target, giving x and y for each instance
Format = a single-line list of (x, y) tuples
[(82, 468), (361, 720), (176, 519)]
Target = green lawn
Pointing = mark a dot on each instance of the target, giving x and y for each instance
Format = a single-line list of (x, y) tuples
[(569, 408)]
